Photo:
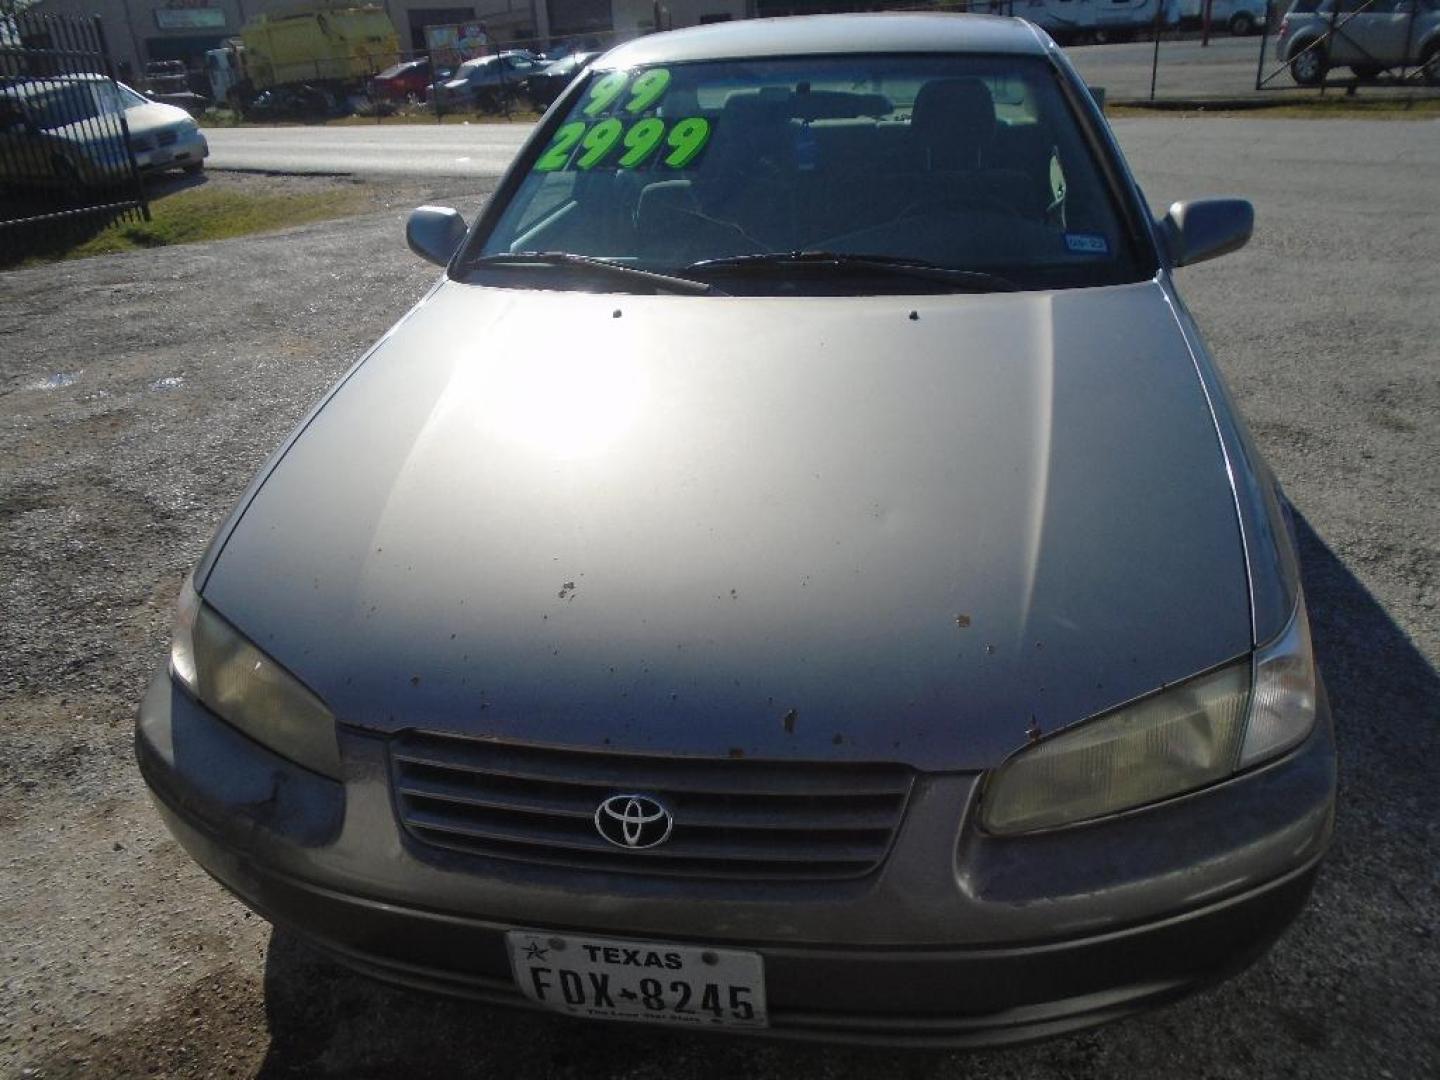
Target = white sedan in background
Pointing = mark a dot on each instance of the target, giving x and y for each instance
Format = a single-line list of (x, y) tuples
[(67, 130)]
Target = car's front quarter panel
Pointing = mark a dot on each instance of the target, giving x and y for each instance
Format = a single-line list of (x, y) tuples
[(1272, 564)]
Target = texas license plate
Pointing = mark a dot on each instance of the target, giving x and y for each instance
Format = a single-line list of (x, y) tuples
[(639, 980)]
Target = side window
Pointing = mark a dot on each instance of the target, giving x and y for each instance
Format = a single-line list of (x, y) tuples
[(106, 99), (554, 191)]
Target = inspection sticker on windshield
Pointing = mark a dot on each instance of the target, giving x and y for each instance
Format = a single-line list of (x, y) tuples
[(655, 983), (1087, 243)]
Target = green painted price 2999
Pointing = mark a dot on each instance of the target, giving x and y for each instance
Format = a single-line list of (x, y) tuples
[(582, 146)]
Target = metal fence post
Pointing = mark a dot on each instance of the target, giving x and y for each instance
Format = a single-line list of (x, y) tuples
[(1264, 35), (1155, 57), (136, 181), (434, 80), (1409, 38)]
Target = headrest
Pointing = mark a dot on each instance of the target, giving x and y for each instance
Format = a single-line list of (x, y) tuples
[(955, 113)]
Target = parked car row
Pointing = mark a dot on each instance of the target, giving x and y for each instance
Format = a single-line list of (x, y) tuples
[(484, 80), (480, 82)]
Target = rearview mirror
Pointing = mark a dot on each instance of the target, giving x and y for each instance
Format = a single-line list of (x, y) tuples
[(1205, 228), (435, 233)]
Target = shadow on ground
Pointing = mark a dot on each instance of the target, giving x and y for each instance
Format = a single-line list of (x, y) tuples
[(324, 1020), (54, 237)]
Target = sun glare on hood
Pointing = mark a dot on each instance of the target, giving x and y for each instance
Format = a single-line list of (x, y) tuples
[(564, 407)]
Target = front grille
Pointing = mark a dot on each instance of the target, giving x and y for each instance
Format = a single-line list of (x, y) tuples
[(734, 818)]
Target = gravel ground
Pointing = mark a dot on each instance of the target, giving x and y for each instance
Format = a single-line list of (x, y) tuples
[(132, 417)]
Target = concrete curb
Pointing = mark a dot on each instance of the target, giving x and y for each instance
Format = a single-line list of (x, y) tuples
[(1250, 104)]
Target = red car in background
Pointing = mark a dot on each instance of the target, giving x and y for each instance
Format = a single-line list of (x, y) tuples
[(402, 81)]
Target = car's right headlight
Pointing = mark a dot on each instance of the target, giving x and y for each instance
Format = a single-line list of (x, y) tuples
[(240, 684), (1177, 740)]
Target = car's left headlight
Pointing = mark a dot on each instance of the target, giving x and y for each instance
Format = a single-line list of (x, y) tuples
[(1183, 738), (249, 690)]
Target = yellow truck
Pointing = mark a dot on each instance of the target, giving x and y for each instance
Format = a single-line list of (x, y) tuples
[(337, 46)]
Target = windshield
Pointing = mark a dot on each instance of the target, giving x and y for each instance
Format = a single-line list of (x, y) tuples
[(128, 98), (60, 106), (970, 163)]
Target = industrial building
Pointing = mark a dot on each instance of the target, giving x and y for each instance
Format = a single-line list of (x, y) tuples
[(142, 31)]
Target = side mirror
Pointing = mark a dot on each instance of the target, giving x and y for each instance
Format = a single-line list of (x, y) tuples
[(435, 233), (1205, 228)]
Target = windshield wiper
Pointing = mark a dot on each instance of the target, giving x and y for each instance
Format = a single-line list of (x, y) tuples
[(657, 282), (893, 265)]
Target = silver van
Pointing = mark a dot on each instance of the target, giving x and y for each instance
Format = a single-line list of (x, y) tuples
[(1367, 36)]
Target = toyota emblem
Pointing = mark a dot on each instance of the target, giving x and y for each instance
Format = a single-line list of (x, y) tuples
[(633, 821)]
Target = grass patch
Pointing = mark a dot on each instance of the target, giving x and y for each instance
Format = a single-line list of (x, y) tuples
[(211, 212), (1338, 107)]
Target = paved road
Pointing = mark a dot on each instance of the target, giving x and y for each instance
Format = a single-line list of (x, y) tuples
[(138, 392), (481, 151), (460, 150)]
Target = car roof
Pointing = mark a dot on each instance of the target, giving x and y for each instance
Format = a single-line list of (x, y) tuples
[(30, 86), (896, 32)]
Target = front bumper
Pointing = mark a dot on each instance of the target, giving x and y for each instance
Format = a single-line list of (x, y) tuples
[(184, 153), (958, 939)]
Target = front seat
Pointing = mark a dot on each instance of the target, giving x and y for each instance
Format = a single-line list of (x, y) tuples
[(954, 147), (952, 126)]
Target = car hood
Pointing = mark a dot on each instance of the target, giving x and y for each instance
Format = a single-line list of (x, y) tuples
[(888, 528), (154, 116), (140, 119)]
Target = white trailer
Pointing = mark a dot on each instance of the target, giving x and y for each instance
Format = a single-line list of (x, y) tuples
[(1070, 21)]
